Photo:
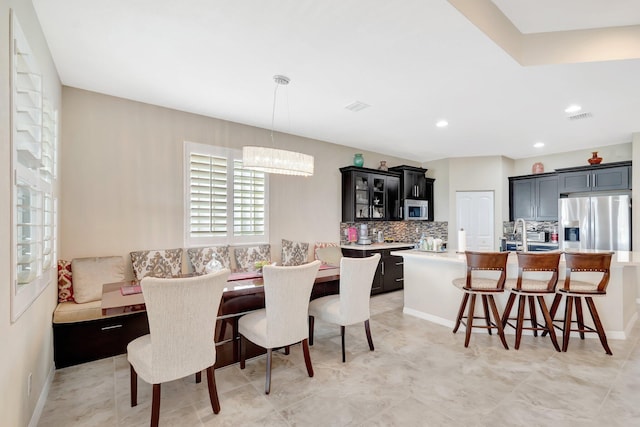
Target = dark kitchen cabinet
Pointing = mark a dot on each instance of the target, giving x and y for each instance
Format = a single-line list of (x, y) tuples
[(534, 197), (369, 194), (414, 185), (612, 176), (390, 273)]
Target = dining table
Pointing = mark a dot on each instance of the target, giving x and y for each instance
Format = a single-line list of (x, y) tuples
[(244, 293)]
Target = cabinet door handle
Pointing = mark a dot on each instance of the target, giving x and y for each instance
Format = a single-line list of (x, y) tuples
[(106, 328), (594, 181), (400, 279), (399, 263), (588, 180), (382, 268)]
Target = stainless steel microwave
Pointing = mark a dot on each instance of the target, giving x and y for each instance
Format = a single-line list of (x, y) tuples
[(416, 209)]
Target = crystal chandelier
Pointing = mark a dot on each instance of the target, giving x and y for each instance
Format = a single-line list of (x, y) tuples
[(273, 160)]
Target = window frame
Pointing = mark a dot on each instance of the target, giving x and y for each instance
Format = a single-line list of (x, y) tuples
[(230, 155)]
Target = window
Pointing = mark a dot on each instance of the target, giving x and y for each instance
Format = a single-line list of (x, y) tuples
[(224, 202), (33, 143)]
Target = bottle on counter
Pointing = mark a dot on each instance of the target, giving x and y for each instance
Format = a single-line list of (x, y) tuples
[(554, 235)]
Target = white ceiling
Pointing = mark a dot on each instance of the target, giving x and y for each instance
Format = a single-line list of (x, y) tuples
[(413, 61)]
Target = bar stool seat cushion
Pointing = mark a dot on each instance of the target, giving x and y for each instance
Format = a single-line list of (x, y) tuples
[(478, 283), (528, 285), (580, 286)]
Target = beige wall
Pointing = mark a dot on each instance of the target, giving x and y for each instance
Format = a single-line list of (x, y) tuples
[(122, 177), (26, 344)]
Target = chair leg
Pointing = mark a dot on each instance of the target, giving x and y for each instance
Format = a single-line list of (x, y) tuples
[(307, 357), (236, 338), (598, 324), (342, 330), (287, 350), (134, 386), (463, 304), (522, 301), (507, 309), (267, 386), (155, 406), (311, 326), (554, 308), (486, 313), (532, 315), (496, 317), (198, 377), (578, 304), (213, 390), (243, 351), (367, 330), (472, 307), (548, 322), (567, 323)]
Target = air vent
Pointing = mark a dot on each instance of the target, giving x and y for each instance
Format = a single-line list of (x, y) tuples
[(357, 106), (580, 116)]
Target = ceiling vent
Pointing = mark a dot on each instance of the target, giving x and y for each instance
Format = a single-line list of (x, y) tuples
[(580, 116), (357, 106)]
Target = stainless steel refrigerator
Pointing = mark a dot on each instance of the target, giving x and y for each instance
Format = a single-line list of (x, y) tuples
[(595, 222)]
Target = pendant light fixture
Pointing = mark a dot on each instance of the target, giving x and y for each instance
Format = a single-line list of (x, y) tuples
[(273, 160)]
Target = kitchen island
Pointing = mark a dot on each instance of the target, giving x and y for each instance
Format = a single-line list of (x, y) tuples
[(429, 294)]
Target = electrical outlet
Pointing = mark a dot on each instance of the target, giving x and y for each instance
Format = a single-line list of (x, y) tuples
[(29, 378)]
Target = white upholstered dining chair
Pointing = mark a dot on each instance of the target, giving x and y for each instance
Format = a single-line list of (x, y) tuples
[(283, 321), (351, 305), (182, 316)]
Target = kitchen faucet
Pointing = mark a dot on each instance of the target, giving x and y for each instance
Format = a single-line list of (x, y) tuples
[(525, 247)]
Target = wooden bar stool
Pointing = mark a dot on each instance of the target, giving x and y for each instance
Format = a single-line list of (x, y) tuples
[(528, 290), (486, 288), (575, 290)]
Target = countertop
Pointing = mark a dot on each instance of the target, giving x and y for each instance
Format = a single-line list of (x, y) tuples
[(620, 258), (375, 246)]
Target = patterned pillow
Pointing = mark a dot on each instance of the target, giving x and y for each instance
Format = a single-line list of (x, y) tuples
[(320, 245), (200, 257), (157, 263), (294, 253), (65, 286), (247, 257)]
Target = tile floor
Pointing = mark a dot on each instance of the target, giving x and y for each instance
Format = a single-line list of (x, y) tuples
[(419, 375)]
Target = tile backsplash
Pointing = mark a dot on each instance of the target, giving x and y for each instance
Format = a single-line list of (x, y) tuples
[(399, 231), (511, 234)]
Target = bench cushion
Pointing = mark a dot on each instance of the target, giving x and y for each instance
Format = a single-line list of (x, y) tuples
[(247, 257), (200, 257), (70, 312), (294, 253), (157, 263)]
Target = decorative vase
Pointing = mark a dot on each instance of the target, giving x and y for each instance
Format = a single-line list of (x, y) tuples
[(537, 168), (594, 160), (383, 166), (358, 160)]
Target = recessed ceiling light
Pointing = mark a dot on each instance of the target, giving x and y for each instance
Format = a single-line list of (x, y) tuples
[(572, 108), (442, 123), (538, 144)]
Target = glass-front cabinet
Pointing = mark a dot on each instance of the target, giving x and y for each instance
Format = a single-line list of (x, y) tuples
[(368, 194)]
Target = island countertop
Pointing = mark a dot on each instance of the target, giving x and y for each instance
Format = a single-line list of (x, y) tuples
[(429, 293)]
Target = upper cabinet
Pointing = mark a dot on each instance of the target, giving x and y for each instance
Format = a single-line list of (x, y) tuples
[(414, 185), (369, 194), (611, 176), (534, 197)]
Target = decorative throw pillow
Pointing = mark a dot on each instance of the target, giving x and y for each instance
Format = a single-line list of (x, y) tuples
[(246, 258), (157, 263), (65, 287), (200, 257), (330, 255), (89, 274), (294, 253), (319, 245)]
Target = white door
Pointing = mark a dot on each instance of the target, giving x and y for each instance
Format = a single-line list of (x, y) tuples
[(475, 214)]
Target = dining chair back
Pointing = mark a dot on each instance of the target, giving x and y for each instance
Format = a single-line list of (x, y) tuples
[(182, 315), (283, 321), (351, 305)]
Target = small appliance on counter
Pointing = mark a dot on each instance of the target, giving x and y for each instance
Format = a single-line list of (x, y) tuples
[(537, 236), (363, 237)]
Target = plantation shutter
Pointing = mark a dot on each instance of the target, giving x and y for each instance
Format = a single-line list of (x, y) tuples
[(248, 201), (208, 196)]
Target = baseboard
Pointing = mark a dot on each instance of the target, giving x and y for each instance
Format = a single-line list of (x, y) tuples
[(431, 318), (42, 399)]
